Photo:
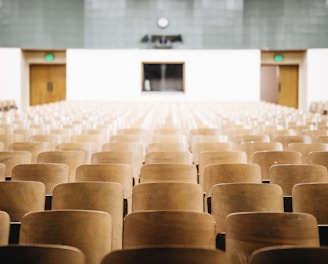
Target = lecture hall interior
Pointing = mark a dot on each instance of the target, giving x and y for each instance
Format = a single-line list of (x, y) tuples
[(163, 131)]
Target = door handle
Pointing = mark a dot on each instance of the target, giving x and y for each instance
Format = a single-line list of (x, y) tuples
[(50, 86)]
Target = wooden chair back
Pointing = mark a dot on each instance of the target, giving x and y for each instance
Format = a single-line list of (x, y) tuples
[(290, 255), (119, 173), (239, 139), (2, 172), (50, 174), (12, 158), (314, 133), (88, 230), (229, 173), (2, 146), (20, 197), (8, 139), (287, 175), (197, 148), (306, 148), (251, 147), (168, 138), (135, 147), (165, 157), (311, 198), (287, 139), (218, 157), (97, 139), (168, 173), (200, 138), (167, 147), (164, 255), (321, 139), (51, 139), (268, 158), (41, 254), (167, 196), (136, 138), (169, 229), (34, 147), (4, 228), (101, 196), (88, 148), (319, 158), (118, 157), (249, 231), (227, 198), (72, 158)]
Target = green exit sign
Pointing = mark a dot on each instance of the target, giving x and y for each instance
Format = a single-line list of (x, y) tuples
[(278, 57), (49, 56)]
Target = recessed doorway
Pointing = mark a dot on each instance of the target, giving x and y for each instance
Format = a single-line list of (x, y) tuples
[(282, 75)]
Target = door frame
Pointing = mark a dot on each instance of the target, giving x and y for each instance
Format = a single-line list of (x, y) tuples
[(37, 57), (291, 57)]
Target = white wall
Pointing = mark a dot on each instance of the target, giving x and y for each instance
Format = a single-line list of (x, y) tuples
[(317, 75), (10, 74), (209, 74)]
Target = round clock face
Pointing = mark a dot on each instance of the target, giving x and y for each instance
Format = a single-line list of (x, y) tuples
[(163, 22)]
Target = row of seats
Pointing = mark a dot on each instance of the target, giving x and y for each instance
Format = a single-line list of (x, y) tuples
[(7, 105), (144, 167), (179, 176), (52, 254), (319, 107), (91, 230)]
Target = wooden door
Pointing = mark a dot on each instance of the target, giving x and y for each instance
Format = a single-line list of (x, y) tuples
[(288, 85), (279, 84), (47, 83)]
